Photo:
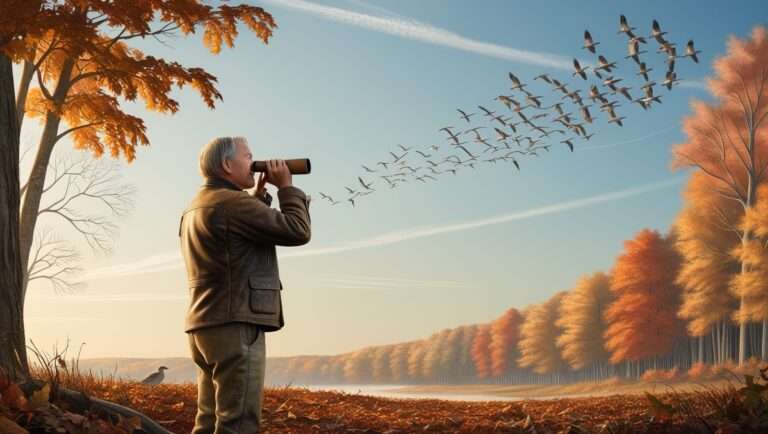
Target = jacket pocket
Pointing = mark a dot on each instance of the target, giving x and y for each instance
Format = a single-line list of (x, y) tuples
[(264, 294)]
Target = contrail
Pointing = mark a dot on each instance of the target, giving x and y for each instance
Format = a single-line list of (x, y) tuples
[(412, 29), (648, 136), (172, 260)]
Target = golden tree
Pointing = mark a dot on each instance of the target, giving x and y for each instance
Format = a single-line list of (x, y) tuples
[(752, 285), (538, 337), (706, 234), (582, 321), (728, 140)]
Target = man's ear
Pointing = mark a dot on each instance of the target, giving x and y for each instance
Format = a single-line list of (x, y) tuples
[(225, 165)]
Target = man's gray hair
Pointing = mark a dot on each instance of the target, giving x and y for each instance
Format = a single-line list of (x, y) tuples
[(214, 153)]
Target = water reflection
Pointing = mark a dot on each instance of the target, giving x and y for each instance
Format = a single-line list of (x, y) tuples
[(389, 391)]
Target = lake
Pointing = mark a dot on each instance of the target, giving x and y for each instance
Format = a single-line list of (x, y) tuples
[(388, 391)]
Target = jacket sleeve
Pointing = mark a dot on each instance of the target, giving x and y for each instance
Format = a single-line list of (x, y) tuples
[(254, 220)]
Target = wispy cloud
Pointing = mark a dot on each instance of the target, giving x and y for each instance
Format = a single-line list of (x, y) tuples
[(639, 139), (694, 84), (172, 260), (374, 282), (416, 30)]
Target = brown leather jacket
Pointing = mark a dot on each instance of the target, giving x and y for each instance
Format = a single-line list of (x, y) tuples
[(228, 240)]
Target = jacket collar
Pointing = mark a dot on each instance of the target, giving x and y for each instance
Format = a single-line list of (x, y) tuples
[(216, 182)]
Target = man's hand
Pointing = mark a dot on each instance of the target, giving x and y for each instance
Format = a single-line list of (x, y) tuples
[(261, 190), (278, 174)]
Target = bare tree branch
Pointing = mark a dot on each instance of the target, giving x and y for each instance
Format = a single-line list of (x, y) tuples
[(53, 260), (94, 185)]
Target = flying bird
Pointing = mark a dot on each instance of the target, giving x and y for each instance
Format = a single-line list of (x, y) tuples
[(464, 115), (516, 84), (582, 71), (691, 52), (589, 44), (544, 77), (670, 80), (644, 70), (367, 186)]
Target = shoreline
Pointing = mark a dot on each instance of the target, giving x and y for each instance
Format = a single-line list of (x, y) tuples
[(554, 391)]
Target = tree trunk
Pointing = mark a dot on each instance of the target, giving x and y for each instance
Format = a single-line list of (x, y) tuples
[(36, 183), (13, 350)]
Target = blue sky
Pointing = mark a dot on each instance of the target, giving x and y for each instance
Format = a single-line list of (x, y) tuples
[(342, 83)]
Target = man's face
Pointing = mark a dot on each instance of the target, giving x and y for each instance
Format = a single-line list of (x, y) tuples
[(238, 169)]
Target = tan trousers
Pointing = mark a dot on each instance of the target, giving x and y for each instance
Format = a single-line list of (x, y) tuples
[(231, 363)]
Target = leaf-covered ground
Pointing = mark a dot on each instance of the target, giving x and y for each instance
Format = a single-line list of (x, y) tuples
[(298, 410)]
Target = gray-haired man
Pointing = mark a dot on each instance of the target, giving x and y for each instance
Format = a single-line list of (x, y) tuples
[(228, 240)]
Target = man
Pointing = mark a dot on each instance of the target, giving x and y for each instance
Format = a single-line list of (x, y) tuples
[(228, 240)]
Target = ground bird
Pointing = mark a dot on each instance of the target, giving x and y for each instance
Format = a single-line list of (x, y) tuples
[(155, 378)]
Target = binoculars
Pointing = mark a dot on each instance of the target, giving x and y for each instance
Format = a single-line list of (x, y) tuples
[(297, 166)]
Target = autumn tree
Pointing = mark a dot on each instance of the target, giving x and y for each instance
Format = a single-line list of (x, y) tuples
[(707, 234), (416, 359), (505, 333), (642, 321), (19, 20), (398, 362), (357, 366), (78, 54), (752, 285), (728, 140), (538, 337), (582, 321), (466, 365), (436, 346), (380, 369), (481, 354)]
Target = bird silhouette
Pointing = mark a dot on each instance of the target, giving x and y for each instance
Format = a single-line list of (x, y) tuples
[(155, 378)]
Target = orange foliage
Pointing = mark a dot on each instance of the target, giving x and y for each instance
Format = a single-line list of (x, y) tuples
[(582, 321), (752, 284), (643, 321), (704, 240), (718, 136), (538, 337), (481, 351), (505, 333), (86, 66)]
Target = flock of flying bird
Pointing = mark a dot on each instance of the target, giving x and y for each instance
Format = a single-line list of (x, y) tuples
[(536, 136)]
